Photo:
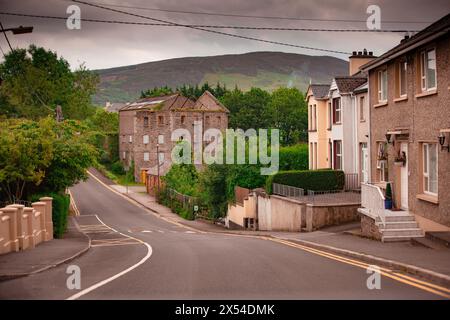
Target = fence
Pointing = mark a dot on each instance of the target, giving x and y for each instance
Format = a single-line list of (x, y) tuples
[(288, 191), (188, 203), (352, 182), (25, 227)]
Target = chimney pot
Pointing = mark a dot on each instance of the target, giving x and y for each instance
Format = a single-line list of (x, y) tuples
[(370, 53), (354, 53), (359, 53), (365, 51)]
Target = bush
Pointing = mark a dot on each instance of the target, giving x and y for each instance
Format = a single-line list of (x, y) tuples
[(294, 157), (117, 168), (316, 180), (60, 212)]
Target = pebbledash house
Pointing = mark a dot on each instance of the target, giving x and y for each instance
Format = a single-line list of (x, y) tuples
[(409, 92), (146, 126)]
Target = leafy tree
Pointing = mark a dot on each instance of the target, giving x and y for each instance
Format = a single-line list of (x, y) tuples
[(182, 178), (156, 92), (289, 114), (35, 81)]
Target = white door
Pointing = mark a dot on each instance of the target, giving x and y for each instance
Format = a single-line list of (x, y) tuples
[(404, 178), (364, 163)]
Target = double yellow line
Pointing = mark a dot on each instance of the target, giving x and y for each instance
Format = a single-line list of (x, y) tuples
[(420, 284), (426, 286)]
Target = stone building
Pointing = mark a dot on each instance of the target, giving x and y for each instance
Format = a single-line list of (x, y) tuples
[(146, 126)]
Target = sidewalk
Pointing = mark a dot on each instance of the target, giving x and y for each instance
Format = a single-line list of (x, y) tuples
[(45, 255), (402, 256)]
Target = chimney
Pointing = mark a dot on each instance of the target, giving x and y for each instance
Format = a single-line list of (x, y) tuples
[(357, 59)]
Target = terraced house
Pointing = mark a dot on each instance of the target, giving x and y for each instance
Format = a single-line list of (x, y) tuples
[(338, 122), (409, 88), (146, 126)]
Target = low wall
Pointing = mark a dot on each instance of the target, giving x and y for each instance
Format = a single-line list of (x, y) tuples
[(319, 216), (276, 213), (237, 212), (23, 227), (369, 229)]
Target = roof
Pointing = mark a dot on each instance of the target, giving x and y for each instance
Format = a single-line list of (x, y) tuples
[(433, 31), (320, 91), (347, 84), (114, 107), (158, 103), (362, 88), (209, 102)]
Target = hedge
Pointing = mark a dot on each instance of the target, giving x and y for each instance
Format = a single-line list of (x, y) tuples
[(60, 212), (316, 180), (294, 157)]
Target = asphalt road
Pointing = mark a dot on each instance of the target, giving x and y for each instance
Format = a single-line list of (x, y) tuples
[(166, 261)]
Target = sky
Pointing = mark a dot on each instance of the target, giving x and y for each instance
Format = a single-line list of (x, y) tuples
[(101, 45)]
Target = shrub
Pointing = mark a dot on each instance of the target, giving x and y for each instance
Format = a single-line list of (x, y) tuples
[(294, 157), (60, 211), (316, 180), (117, 168)]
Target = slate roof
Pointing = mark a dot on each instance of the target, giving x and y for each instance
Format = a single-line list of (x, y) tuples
[(320, 91), (347, 84), (438, 28), (158, 103)]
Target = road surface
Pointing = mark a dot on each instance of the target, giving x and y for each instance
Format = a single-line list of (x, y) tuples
[(137, 255)]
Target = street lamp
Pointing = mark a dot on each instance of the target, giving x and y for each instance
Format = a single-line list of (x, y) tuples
[(157, 168)]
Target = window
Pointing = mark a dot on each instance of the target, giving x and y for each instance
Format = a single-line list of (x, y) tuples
[(145, 121), (362, 116), (124, 155), (330, 154), (311, 155), (337, 154), (315, 117), (430, 168), (160, 120), (130, 139), (206, 120), (219, 118), (310, 117), (160, 139), (161, 158), (383, 174), (428, 70), (146, 156), (382, 86), (336, 110), (145, 139), (183, 119), (315, 155), (401, 82), (329, 115)]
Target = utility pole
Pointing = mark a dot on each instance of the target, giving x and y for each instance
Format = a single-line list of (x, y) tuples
[(157, 170)]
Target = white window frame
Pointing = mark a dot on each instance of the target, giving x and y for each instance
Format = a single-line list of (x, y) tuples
[(124, 155), (145, 139), (336, 111), (424, 70), (426, 168), (161, 139), (382, 87), (130, 139), (146, 156), (338, 155), (402, 65), (362, 102), (161, 158)]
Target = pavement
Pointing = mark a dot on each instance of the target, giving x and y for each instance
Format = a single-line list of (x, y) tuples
[(401, 255), (45, 255), (138, 253)]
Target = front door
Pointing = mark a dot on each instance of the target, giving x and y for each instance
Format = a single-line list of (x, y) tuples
[(404, 177), (364, 163)]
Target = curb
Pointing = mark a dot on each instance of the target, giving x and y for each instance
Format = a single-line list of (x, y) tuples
[(433, 276), (418, 271), (4, 277)]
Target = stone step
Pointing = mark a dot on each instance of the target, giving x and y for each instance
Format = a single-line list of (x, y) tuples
[(399, 218), (399, 225), (412, 232), (398, 238)]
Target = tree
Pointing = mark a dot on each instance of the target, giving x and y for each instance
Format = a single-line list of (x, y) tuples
[(35, 81), (289, 114)]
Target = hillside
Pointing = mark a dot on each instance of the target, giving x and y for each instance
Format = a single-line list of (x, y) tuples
[(267, 70)]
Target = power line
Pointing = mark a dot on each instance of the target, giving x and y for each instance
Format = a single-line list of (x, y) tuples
[(248, 16), (206, 26), (212, 31)]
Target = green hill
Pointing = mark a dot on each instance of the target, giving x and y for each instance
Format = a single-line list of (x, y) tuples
[(267, 70)]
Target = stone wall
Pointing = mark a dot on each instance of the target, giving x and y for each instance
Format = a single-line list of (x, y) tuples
[(369, 229), (322, 216)]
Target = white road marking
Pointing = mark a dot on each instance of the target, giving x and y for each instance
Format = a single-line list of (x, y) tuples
[(114, 277), (146, 231), (190, 232)]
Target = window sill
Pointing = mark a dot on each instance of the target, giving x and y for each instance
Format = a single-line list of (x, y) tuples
[(399, 99), (337, 123), (381, 104), (312, 130), (426, 93), (427, 197)]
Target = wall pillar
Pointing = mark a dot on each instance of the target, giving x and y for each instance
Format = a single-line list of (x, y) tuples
[(11, 213), (48, 217), (21, 226), (40, 207), (28, 215)]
